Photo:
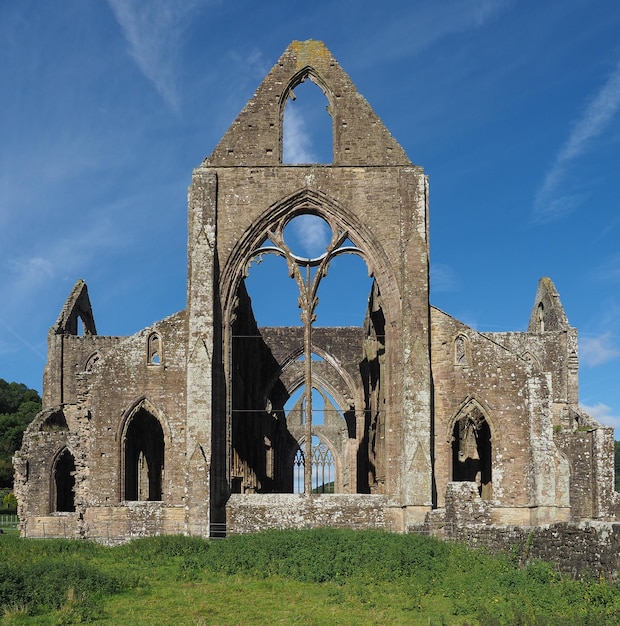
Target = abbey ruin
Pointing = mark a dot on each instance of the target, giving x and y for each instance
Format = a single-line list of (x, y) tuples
[(192, 425)]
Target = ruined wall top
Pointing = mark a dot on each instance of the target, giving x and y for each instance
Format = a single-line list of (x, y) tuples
[(77, 307), (359, 136), (547, 313)]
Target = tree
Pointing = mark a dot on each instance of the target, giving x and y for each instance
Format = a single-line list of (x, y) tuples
[(9, 502), (18, 407)]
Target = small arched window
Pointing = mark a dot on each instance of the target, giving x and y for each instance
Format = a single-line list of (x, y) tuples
[(154, 349), (461, 349), (540, 318)]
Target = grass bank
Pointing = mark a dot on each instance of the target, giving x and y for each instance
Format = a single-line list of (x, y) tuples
[(289, 577)]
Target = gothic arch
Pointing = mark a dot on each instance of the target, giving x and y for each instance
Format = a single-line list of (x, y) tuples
[(345, 227), (314, 202), (301, 76), (62, 477), (461, 350), (470, 435), (467, 405), (337, 468), (290, 361), (144, 437), (530, 358)]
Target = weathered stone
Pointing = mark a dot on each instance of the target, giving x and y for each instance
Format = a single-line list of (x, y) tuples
[(182, 426)]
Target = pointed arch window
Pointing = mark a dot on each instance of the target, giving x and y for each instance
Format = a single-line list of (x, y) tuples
[(471, 451), (540, 318), (461, 350), (64, 482), (309, 242), (154, 349), (143, 457), (307, 125), (323, 468)]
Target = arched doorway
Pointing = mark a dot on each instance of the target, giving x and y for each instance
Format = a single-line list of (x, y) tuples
[(64, 482), (143, 457)]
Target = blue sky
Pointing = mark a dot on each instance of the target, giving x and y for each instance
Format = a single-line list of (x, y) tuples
[(513, 109)]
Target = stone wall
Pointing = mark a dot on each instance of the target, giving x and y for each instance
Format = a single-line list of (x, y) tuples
[(110, 525), (251, 513), (588, 548), (579, 549)]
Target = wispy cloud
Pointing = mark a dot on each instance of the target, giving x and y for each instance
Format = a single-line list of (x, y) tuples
[(27, 276), (443, 278), (6, 348), (297, 146), (549, 203), (598, 350), (154, 32), (427, 24), (603, 414), (609, 270)]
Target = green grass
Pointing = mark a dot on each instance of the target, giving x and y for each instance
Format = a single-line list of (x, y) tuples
[(289, 577)]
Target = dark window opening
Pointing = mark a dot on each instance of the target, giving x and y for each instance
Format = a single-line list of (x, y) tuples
[(144, 458), (64, 482), (471, 452)]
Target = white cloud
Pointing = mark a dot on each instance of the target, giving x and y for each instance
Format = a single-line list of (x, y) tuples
[(599, 113), (32, 269), (297, 146), (27, 277), (598, 350), (443, 278), (154, 32), (603, 414)]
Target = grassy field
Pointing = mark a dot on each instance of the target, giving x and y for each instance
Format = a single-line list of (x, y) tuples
[(289, 577)]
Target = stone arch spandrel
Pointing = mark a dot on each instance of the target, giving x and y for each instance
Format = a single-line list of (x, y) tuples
[(143, 403), (311, 201), (291, 374)]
